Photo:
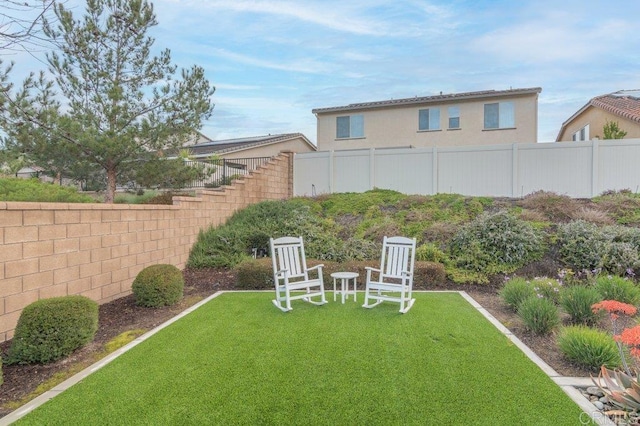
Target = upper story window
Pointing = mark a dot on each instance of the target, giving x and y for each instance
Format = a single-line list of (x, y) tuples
[(499, 115), (454, 117), (582, 134), (429, 119), (350, 126)]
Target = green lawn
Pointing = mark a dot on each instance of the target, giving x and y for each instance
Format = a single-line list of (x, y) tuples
[(239, 360)]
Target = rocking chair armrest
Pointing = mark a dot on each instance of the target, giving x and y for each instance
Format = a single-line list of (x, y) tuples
[(281, 272), (368, 268), (315, 267)]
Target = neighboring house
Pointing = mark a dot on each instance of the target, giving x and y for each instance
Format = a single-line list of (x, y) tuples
[(251, 147), (587, 123), (475, 118)]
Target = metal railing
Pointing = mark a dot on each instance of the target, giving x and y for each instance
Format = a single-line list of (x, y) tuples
[(223, 171)]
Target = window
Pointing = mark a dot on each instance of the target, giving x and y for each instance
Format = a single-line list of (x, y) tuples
[(582, 134), (429, 119), (499, 115), (454, 117), (350, 126)]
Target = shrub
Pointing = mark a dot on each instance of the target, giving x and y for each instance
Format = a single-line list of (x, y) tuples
[(582, 245), (588, 347), (620, 257), (254, 274), (15, 189), (553, 206), (431, 253), (618, 288), (577, 301), (539, 315), (515, 291), (548, 288), (158, 285), (50, 329), (494, 243)]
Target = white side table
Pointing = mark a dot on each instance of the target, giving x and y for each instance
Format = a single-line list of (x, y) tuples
[(344, 278)]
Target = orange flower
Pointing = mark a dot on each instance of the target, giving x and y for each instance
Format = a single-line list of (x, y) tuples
[(630, 336), (614, 308)]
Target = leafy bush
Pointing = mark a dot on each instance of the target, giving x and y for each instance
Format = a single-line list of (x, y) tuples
[(15, 189), (50, 329), (556, 208), (515, 291), (620, 257), (588, 347), (582, 245), (494, 243), (618, 288), (430, 252), (158, 285), (254, 274), (577, 301), (539, 315)]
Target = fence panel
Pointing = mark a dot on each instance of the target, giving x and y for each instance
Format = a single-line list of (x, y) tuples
[(576, 169), (476, 171)]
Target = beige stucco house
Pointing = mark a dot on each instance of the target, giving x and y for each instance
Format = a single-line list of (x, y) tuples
[(622, 107), (474, 118), (250, 147)]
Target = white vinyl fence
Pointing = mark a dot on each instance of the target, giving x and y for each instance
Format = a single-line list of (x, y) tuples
[(576, 169)]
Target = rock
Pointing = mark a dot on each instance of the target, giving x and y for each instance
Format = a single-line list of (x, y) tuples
[(595, 391), (599, 405), (604, 400)]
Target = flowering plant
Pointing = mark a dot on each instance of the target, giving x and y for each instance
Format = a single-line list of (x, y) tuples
[(621, 387)]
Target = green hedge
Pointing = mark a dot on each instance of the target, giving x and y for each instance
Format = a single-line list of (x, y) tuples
[(256, 274), (158, 285), (50, 329)]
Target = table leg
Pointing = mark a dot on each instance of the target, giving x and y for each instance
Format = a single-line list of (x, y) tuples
[(334, 289)]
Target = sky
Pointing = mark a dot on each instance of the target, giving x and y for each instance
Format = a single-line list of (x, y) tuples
[(272, 62)]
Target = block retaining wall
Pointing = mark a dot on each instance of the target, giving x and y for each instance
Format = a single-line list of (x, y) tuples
[(96, 250)]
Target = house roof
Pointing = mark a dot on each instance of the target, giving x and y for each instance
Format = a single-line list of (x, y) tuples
[(232, 145), (623, 103), (430, 99)]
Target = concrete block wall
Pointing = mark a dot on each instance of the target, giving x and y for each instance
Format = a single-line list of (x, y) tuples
[(96, 250)]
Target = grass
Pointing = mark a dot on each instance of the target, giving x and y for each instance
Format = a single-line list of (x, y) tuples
[(238, 360)]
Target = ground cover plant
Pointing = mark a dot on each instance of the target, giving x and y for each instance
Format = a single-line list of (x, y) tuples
[(15, 189), (238, 360)]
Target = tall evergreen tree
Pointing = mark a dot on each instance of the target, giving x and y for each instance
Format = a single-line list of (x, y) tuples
[(119, 103)]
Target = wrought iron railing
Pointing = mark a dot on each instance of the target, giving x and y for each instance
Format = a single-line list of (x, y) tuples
[(223, 171)]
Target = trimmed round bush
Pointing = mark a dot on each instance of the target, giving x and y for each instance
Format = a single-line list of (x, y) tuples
[(515, 291), (254, 274), (539, 315), (50, 329), (618, 288), (588, 347), (577, 301), (158, 285)]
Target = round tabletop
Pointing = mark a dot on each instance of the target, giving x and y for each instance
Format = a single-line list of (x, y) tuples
[(344, 275)]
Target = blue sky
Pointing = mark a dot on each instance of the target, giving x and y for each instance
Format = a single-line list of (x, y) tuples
[(272, 62)]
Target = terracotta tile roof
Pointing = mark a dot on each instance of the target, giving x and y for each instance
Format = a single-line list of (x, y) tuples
[(231, 145), (625, 103), (430, 99)]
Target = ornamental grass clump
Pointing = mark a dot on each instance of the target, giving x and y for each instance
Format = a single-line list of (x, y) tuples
[(577, 302), (158, 285), (548, 288), (539, 315), (515, 291), (618, 288), (588, 347)]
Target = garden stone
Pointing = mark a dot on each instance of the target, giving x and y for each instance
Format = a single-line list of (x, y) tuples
[(599, 405), (593, 390)]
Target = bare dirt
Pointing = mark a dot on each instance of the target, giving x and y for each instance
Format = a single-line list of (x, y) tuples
[(123, 315)]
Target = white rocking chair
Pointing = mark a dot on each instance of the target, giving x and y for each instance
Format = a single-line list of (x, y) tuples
[(395, 276), (290, 273)]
